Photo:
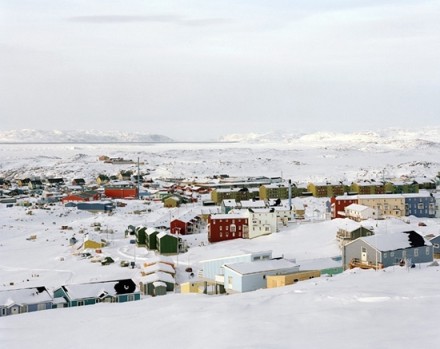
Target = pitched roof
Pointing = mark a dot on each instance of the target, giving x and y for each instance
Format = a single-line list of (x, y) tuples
[(24, 296), (261, 266), (396, 241)]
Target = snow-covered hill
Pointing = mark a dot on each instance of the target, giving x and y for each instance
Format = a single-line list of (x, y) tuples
[(392, 138), (78, 136)]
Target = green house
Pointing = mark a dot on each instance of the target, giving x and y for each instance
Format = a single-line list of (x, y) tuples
[(141, 237), (151, 238), (98, 292), (401, 187), (167, 244), (157, 284)]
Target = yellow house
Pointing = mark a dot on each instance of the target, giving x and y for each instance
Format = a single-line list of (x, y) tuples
[(172, 201), (199, 286), (238, 194), (326, 189), (274, 191), (289, 279), (93, 241), (384, 205)]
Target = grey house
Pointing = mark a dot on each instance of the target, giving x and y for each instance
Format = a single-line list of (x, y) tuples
[(435, 241), (381, 251), (24, 300)]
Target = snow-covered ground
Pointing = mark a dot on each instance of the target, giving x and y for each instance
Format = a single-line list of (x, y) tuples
[(359, 309)]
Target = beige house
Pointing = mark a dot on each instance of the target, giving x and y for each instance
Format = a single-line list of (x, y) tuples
[(290, 279), (386, 205)]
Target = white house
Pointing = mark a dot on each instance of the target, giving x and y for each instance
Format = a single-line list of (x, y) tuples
[(251, 276), (261, 222), (358, 212)]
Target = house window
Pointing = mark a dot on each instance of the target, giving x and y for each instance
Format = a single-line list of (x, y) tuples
[(392, 254), (427, 251), (385, 255), (80, 303), (221, 234), (416, 252)]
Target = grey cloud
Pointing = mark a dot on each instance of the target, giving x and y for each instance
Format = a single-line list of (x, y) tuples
[(109, 19)]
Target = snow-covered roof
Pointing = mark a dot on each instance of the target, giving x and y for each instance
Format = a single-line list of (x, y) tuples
[(159, 267), (380, 196), (24, 296), (252, 203), (420, 194), (261, 266), (91, 290), (187, 217), (158, 276), (240, 215), (159, 259), (395, 241), (320, 263), (357, 207), (229, 202)]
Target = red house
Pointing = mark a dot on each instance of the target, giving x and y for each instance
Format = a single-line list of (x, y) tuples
[(81, 197), (223, 227), (339, 203), (187, 224), (121, 191)]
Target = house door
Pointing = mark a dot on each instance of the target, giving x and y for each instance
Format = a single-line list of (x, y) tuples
[(15, 310), (230, 282), (364, 256)]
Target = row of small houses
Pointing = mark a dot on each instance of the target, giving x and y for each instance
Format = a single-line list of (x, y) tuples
[(157, 278), (280, 190), (251, 271), (232, 189), (361, 207), (26, 300), (158, 240)]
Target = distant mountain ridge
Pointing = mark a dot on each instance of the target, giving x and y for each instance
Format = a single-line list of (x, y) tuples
[(387, 138), (78, 136)]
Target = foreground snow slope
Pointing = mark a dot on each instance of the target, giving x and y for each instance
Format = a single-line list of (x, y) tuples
[(358, 309)]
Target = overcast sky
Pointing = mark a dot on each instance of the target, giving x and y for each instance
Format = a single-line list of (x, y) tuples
[(196, 70)]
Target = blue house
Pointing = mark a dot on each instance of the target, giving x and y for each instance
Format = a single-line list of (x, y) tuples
[(435, 241), (98, 292), (420, 205), (96, 206), (24, 300), (381, 251)]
